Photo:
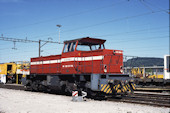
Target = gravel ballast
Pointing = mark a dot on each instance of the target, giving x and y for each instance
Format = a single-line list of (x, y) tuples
[(16, 101)]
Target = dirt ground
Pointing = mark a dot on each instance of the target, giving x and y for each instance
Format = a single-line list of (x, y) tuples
[(16, 101)]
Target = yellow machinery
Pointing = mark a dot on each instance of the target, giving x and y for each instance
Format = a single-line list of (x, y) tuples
[(148, 73), (14, 71), (22, 71), (138, 72), (156, 76), (8, 68)]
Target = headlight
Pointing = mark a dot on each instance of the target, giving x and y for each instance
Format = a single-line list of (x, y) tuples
[(110, 81)]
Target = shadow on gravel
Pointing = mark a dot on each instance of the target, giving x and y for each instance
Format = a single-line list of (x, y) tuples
[(2, 112)]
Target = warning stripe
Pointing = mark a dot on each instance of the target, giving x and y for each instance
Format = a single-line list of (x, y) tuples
[(129, 88), (119, 88), (106, 88), (133, 86), (103, 87), (118, 91), (110, 91), (114, 87), (124, 88), (75, 94)]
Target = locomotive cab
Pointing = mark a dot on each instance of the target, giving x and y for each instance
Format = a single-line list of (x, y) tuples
[(83, 44), (88, 55)]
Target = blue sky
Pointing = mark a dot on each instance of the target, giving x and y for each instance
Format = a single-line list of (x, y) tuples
[(138, 27)]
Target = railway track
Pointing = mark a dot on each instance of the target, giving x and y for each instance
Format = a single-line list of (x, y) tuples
[(12, 86), (139, 97), (146, 98)]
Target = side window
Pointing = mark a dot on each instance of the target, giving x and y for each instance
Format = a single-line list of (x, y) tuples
[(97, 47), (93, 47), (65, 48), (69, 47), (72, 47)]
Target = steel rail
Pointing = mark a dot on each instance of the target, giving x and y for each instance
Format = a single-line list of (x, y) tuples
[(145, 99)]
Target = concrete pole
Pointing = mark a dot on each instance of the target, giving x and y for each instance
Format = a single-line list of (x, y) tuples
[(59, 31), (39, 48), (143, 72)]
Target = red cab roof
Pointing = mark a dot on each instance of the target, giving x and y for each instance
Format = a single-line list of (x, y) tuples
[(87, 41)]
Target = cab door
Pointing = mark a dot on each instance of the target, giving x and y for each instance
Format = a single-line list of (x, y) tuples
[(68, 58)]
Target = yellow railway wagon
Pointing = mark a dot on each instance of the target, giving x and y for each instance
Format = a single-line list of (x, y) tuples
[(8, 68), (14, 71)]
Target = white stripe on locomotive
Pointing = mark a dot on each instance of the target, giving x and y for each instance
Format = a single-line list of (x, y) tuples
[(68, 60)]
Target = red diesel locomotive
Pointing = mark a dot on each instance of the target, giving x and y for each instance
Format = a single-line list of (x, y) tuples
[(85, 65)]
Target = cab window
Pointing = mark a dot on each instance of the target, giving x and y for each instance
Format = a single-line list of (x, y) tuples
[(72, 46), (69, 47), (83, 48), (89, 47)]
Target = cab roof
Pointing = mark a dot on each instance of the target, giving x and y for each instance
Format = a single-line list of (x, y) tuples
[(87, 41)]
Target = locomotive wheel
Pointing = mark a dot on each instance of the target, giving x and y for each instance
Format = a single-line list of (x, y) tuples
[(34, 86), (41, 88), (63, 89), (68, 91), (27, 87)]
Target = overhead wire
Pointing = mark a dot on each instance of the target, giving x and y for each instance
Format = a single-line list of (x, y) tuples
[(136, 47), (3, 48), (16, 53), (122, 33), (114, 20), (110, 42), (142, 2), (135, 39), (147, 50), (66, 16), (157, 7), (105, 23), (60, 53), (101, 23), (117, 41)]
